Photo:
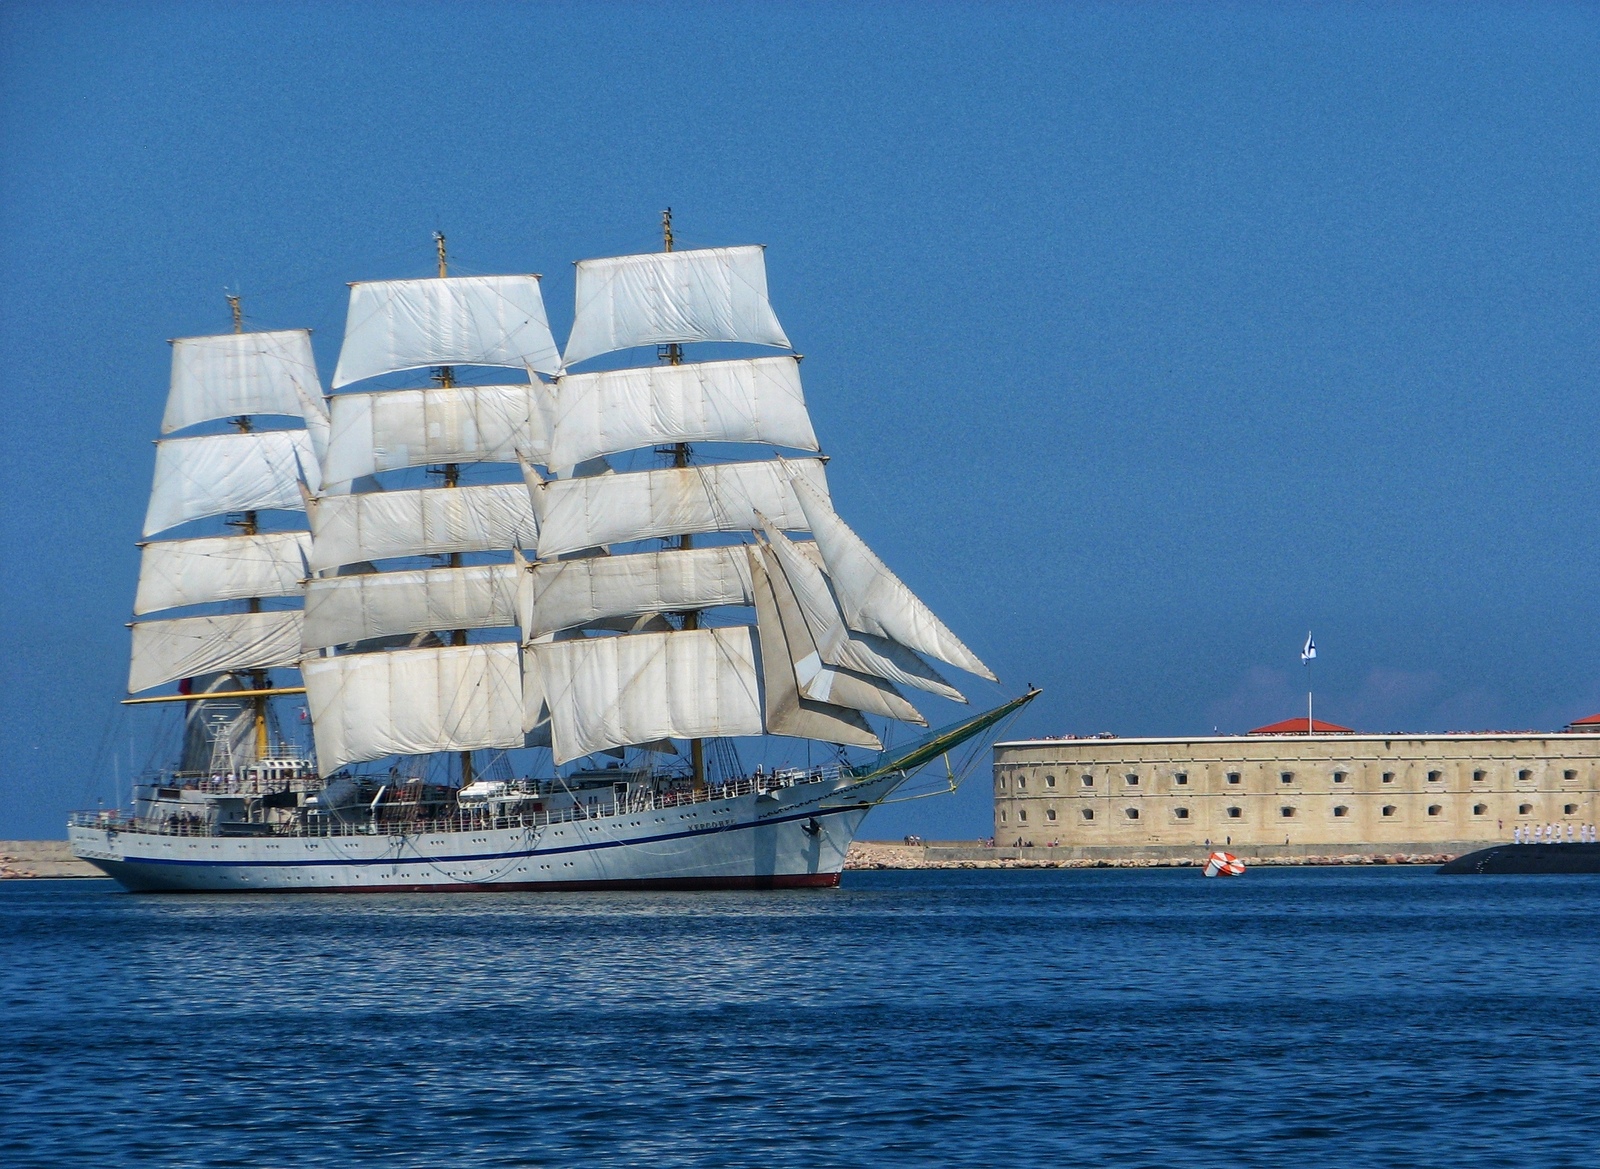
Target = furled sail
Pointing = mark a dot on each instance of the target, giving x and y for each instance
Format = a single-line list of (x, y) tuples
[(189, 646), (563, 594), (459, 320), (345, 609), (219, 473), (413, 702), (787, 712), (607, 692), (714, 401), (818, 680), (243, 373), (220, 568), (837, 644), (347, 529), (873, 598), (711, 294), (610, 509), (390, 429)]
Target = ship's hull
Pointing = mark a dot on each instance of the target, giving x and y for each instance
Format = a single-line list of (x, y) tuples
[(1528, 858), (793, 838)]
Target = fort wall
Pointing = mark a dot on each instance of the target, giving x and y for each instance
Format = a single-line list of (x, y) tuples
[(1324, 791)]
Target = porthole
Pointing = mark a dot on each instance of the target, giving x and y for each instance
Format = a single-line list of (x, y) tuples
[(1388, 809), (1235, 813), (1131, 813), (1341, 810)]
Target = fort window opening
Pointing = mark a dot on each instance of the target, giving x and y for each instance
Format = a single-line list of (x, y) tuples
[(1435, 776), (1524, 809), (1286, 777), (1524, 775), (1049, 781), (1286, 812), (1181, 813), (1022, 782), (1022, 816), (1133, 781), (1479, 776), (1388, 777), (1235, 813), (1088, 813), (1233, 777), (1341, 810), (1388, 809), (1338, 777), (1181, 778), (1088, 781), (1569, 776), (1050, 815), (1569, 809), (1002, 815), (1131, 813), (1435, 810), (1480, 809)]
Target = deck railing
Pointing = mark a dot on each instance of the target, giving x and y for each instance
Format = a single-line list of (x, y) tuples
[(465, 819)]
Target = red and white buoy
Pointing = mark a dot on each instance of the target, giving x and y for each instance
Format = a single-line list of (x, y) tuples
[(1223, 864)]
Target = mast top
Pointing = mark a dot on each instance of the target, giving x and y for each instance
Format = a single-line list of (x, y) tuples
[(666, 228), (238, 313), (438, 239)]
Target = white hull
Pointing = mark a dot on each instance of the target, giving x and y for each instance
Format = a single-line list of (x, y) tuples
[(793, 837)]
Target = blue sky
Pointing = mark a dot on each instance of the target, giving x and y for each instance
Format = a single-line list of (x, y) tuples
[(1143, 338)]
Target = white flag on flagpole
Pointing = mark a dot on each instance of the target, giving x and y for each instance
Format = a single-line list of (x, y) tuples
[(1310, 650)]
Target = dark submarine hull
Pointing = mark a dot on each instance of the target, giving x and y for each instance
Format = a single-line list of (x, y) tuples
[(1528, 858)]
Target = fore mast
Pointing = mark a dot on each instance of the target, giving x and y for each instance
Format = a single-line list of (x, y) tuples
[(679, 452)]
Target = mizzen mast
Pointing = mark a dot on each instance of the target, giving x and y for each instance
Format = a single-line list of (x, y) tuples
[(248, 524)]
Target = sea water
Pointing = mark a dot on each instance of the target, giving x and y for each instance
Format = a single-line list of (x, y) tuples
[(1351, 1016)]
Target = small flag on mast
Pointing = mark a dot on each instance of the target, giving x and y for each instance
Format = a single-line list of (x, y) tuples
[(1310, 650)]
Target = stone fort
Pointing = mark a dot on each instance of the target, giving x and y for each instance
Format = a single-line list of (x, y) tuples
[(1279, 785)]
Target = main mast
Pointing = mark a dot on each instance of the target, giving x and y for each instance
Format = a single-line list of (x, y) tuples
[(249, 524), (673, 355), (445, 376)]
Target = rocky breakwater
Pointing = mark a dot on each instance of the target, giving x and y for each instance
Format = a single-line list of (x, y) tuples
[(974, 854), (38, 859)]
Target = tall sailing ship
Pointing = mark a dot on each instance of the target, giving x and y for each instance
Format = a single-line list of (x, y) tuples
[(573, 574)]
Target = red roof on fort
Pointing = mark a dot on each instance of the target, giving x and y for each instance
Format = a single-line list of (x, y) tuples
[(1297, 726), (1592, 721)]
